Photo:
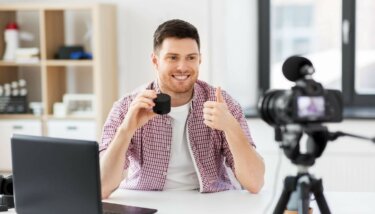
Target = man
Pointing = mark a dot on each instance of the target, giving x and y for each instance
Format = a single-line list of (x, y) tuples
[(187, 148)]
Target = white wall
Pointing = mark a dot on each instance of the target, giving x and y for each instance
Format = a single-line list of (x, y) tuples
[(228, 40), (137, 21), (234, 41)]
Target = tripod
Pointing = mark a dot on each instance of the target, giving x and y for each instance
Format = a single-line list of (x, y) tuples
[(303, 184)]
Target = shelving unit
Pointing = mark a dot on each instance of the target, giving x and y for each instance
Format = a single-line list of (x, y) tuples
[(7, 63), (51, 78), (69, 62)]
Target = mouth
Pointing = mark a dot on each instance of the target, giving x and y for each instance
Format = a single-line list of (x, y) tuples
[(180, 77)]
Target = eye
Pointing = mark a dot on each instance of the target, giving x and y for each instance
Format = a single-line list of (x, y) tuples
[(172, 58), (191, 58)]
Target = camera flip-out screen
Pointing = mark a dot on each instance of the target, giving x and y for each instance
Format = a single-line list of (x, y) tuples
[(311, 106)]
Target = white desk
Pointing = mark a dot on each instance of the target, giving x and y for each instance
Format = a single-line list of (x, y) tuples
[(194, 202), (172, 202)]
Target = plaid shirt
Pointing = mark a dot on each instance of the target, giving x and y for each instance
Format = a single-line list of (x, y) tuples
[(148, 154)]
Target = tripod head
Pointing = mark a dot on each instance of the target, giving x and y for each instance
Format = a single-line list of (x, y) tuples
[(290, 135)]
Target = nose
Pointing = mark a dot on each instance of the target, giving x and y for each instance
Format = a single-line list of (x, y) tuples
[(182, 66)]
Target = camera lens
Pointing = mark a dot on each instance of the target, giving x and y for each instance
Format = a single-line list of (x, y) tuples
[(274, 107)]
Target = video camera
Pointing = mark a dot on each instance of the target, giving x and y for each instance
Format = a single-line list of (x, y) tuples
[(307, 102), (294, 113)]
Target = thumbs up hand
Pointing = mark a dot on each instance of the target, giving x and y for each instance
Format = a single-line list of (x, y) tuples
[(216, 114), (219, 96)]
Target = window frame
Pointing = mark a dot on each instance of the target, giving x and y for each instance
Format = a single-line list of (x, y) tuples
[(355, 105), (351, 98)]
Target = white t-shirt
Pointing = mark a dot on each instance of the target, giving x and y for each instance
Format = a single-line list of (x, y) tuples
[(181, 171)]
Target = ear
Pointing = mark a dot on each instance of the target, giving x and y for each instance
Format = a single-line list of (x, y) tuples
[(155, 60), (200, 58)]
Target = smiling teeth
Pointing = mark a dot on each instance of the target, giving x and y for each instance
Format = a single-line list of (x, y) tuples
[(181, 77)]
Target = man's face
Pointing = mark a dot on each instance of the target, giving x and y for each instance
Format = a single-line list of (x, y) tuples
[(177, 65)]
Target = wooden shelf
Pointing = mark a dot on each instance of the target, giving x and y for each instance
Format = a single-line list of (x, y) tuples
[(51, 117), (69, 62), (20, 116), (47, 6), (48, 63), (5, 172), (13, 63)]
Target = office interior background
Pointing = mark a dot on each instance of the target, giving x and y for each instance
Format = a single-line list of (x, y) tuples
[(244, 56)]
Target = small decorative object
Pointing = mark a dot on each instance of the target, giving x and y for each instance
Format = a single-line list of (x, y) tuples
[(12, 41), (79, 104), (72, 52), (59, 110), (36, 108), (13, 97)]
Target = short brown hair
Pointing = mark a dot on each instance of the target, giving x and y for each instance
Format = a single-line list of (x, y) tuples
[(175, 28)]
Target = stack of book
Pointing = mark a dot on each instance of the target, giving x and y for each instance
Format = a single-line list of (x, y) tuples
[(27, 55)]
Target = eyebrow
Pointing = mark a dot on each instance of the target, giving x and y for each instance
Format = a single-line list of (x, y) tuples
[(191, 54)]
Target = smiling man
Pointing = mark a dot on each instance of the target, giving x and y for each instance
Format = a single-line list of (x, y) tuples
[(190, 148)]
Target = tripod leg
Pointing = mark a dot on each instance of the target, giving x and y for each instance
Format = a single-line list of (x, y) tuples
[(319, 196), (283, 201), (304, 196), (285, 195)]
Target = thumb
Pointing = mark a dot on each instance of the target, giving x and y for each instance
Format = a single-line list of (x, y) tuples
[(219, 96)]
